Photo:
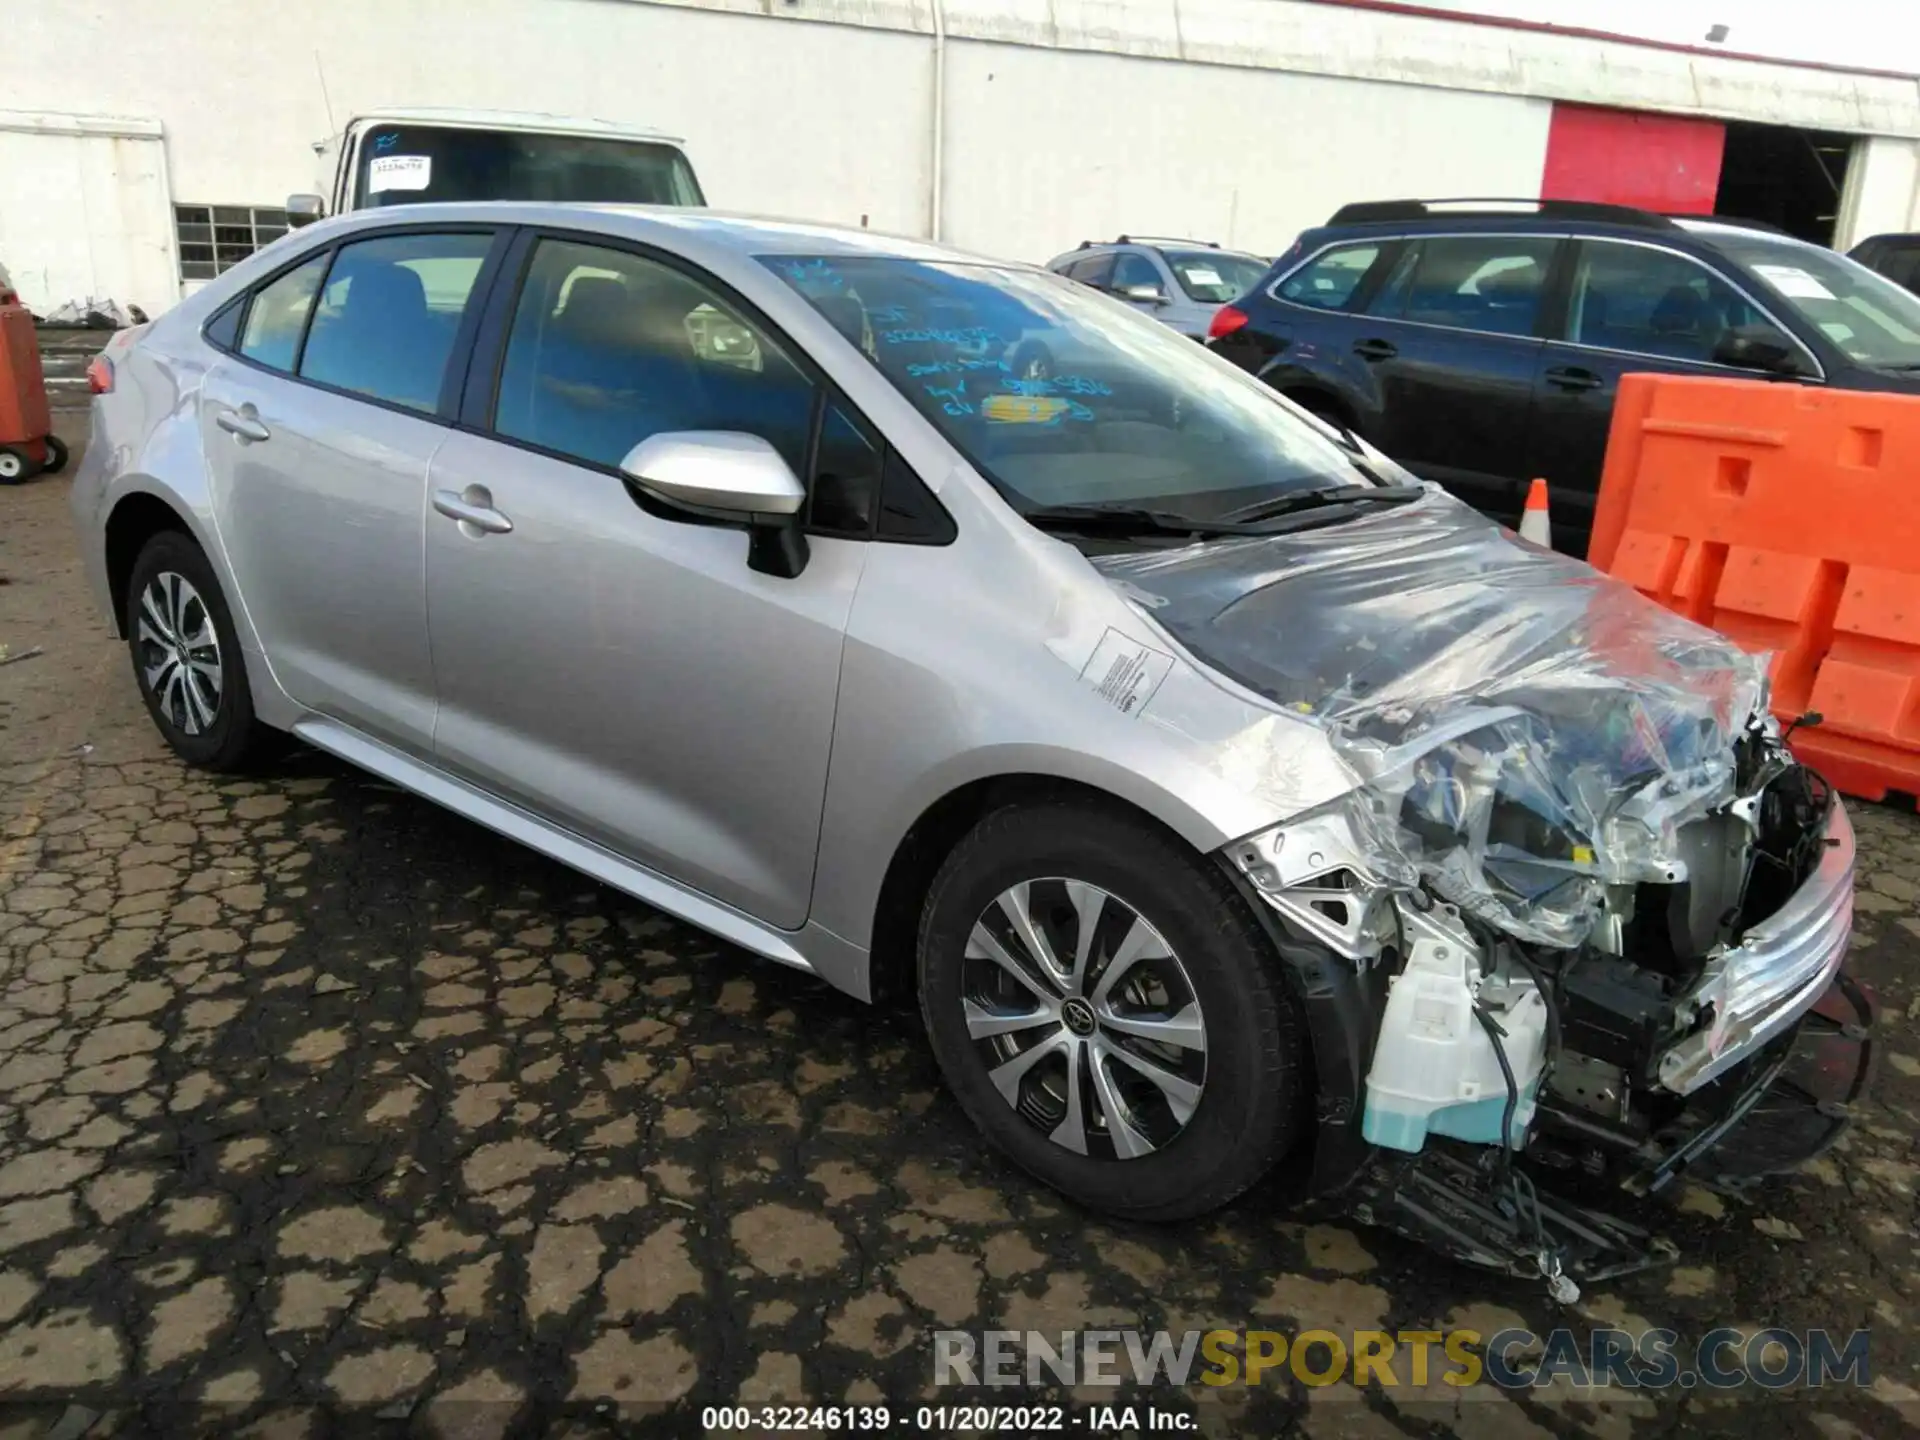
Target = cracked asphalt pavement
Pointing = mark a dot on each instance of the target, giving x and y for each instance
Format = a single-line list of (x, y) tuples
[(317, 1100)]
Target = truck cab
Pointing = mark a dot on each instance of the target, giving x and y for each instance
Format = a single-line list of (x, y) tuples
[(404, 157)]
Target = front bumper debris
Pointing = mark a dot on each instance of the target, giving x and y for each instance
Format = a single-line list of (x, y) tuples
[(1759, 988)]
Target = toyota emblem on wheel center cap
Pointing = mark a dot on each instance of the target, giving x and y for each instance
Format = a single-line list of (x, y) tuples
[(1078, 1015)]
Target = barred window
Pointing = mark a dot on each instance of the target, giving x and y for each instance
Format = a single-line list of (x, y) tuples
[(214, 238)]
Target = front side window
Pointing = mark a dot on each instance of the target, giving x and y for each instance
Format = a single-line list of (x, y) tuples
[(389, 315), (1489, 283), (1132, 269), (1212, 278), (608, 348), (1867, 317), (277, 317), (1057, 398), (1092, 271), (1653, 302), (403, 164), (1327, 281)]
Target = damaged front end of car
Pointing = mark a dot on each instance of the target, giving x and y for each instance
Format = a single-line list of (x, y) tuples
[(1579, 925)]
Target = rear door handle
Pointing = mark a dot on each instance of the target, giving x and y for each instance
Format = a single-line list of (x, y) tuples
[(472, 507), (1375, 349), (242, 425), (1574, 377)]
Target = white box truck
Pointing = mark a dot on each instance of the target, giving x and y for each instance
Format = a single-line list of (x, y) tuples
[(401, 157)]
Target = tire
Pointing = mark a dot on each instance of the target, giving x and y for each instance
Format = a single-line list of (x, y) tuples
[(14, 466), (56, 456), (214, 730), (1251, 1061)]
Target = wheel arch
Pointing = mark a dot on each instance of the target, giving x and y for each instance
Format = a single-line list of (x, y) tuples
[(136, 518), (931, 838)]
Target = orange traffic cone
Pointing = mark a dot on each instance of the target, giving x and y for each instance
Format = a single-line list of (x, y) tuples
[(1535, 525)]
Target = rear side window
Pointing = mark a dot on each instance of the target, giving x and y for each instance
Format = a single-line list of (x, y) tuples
[(1092, 271), (1327, 282), (277, 318), (608, 348), (1489, 283), (390, 313)]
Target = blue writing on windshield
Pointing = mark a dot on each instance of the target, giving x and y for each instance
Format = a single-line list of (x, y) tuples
[(953, 398), (975, 336), (386, 142)]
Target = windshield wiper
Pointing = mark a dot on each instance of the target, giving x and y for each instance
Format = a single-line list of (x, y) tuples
[(1127, 519), (1279, 505)]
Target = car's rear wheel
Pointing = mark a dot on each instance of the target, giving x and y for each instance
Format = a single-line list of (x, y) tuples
[(1108, 1013), (186, 656)]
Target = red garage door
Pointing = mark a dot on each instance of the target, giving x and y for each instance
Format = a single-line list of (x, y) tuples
[(1657, 162)]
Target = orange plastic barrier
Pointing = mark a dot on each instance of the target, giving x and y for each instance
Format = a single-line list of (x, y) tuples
[(1787, 517)]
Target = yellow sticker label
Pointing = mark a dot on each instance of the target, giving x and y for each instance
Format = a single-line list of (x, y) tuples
[(1023, 409), (1583, 854)]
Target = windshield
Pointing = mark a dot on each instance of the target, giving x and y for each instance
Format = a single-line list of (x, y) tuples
[(1059, 396), (405, 164), (1213, 278), (1867, 317)]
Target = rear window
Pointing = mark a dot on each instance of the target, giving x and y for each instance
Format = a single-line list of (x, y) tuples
[(1211, 277)]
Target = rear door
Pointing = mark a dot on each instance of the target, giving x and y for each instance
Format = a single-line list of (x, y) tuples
[(319, 428), (1631, 306), (1449, 343)]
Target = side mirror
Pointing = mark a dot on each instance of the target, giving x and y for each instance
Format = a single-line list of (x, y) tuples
[(1758, 348), (727, 475), (304, 209), (1144, 294)]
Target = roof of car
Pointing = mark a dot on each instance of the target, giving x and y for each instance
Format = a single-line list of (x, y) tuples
[(1564, 216), (511, 120), (712, 229)]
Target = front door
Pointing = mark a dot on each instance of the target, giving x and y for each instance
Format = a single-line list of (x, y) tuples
[(319, 435), (602, 661), (1449, 343), (1631, 307)]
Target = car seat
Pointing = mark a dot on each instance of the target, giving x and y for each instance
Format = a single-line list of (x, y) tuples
[(384, 341)]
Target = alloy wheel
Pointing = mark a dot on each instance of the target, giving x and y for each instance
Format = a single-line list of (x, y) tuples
[(179, 652), (1086, 1020)]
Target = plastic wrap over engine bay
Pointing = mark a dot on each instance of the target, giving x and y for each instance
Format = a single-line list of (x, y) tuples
[(1527, 730)]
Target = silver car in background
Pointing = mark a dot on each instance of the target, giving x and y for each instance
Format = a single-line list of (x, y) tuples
[(1224, 794), (1180, 283)]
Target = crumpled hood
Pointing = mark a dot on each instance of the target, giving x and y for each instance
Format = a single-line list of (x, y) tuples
[(1528, 729)]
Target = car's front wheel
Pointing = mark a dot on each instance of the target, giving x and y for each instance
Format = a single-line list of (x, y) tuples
[(186, 656), (1108, 1012)]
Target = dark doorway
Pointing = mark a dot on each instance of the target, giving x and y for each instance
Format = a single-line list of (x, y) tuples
[(1784, 177)]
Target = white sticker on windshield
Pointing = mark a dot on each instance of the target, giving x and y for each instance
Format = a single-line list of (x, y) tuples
[(1791, 280), (1204, 275), (399, 172), (1125, 672)]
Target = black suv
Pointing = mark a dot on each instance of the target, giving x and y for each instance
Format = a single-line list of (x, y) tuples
[(1895, 256), (1480, 343)]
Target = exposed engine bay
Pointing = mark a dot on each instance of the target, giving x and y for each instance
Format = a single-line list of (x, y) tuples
[(1572, 919)]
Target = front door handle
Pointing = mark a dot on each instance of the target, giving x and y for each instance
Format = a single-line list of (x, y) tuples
[(1375, 349), (1574, 377), (472, 507), (242, 424)]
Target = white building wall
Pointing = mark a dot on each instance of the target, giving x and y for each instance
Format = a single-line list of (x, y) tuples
[(1237, 120), (1048, 148), (84, 210), (1883, 190)]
